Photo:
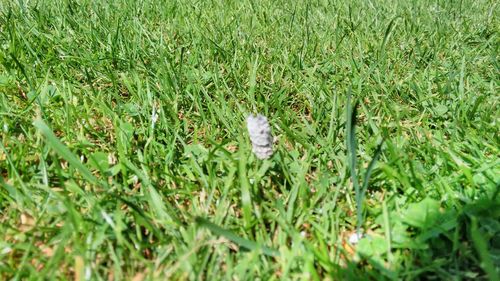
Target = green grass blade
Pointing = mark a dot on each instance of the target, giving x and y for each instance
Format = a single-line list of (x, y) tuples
[(351, 149), (242, 242), (161, 207), (64, 151), (387, 35), (246, 198), (482, 249), (252, 83), (369, 170)]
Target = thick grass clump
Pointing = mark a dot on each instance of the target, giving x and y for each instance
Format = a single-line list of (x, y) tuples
[(124, 152)]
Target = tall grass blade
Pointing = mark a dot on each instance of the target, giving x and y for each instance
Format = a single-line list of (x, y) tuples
[(246, 198), (351, 148), (64, 151)]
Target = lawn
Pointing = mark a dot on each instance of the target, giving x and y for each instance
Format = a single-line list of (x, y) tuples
[(124, 151)]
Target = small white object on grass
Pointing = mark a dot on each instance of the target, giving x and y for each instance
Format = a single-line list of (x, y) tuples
[(354, 238), (260, 136), (154, 117)]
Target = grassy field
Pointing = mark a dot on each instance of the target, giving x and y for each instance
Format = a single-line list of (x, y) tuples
[(124, 153)]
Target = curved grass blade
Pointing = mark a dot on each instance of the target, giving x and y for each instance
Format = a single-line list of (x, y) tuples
[(387, 35), (64, 151), (242, 242), (351, 147)]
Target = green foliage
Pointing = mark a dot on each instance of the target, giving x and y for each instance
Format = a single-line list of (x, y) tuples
[(122, 122)]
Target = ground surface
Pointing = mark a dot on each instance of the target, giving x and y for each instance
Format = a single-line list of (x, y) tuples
[(124, 152)]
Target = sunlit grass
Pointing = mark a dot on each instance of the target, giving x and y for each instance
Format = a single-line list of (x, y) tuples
[(124, 151)]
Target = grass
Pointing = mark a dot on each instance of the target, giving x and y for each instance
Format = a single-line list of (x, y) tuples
[(124, 155)]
